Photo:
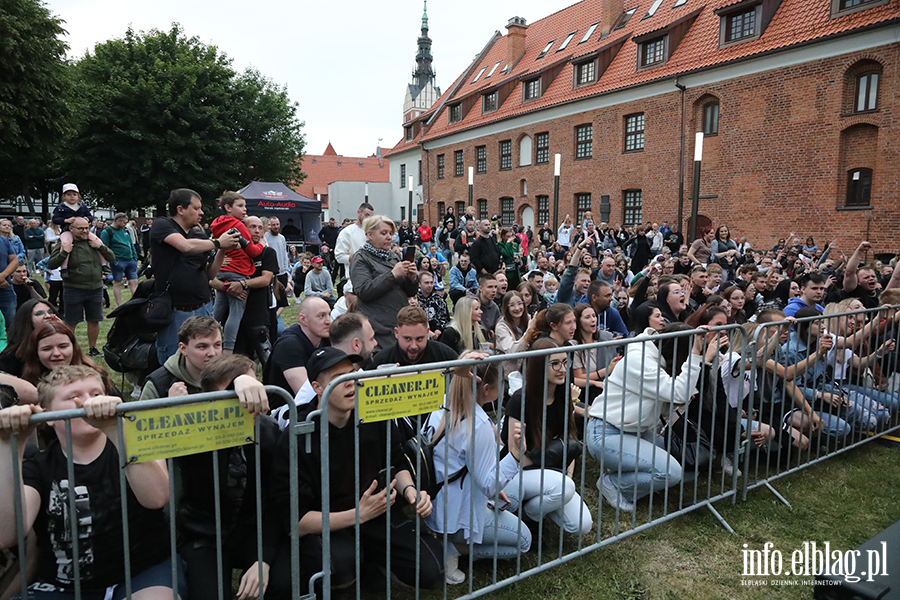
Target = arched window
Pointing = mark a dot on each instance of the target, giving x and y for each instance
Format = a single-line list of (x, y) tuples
[(525, 151), (862, 83), (711, 118), (866, 97), (859, 187)]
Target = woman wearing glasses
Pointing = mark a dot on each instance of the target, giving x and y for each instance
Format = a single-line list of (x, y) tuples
[(621, 433), (542, 411)]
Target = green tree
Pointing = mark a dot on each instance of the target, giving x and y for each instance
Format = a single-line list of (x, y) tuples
[(163, 111), (35, 91)]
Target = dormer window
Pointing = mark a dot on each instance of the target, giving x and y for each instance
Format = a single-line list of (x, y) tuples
[(531, 89), (455, 113), (546, 49), (586, 72), (653, 52), (408, 130), (489, 102), (745, 20), (840, 8)]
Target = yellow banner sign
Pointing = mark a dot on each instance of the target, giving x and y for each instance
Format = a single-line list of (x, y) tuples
[(405, 396), (189, 429)]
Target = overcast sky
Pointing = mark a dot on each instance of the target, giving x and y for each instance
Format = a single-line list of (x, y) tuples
[(346, 63)]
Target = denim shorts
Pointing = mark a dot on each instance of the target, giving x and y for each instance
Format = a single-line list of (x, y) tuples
[(128, 268)]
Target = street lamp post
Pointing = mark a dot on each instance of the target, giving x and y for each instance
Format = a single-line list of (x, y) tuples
[(367, 191), (471, 183), (695, 195), (557, 158), (409, 184)]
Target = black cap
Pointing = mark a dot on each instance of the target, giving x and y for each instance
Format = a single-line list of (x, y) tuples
[(325, 358)]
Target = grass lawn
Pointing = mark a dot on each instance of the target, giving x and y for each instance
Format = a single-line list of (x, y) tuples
[(844, 501)]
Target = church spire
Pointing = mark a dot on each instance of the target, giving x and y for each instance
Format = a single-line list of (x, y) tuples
[(424, 73)]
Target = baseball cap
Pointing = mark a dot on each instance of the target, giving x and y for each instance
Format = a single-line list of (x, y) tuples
[(70, 187), (438, 285), (316, 259), (325, 358)]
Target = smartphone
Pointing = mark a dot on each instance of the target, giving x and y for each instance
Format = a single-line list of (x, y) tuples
[(504, 506), (409, 254), (385, 476)]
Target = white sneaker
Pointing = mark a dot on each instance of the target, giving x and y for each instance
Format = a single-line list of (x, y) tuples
[(615, 498), (729, 468), (451, 569)]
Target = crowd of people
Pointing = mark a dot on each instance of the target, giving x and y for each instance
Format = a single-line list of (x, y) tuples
[(380, 293)]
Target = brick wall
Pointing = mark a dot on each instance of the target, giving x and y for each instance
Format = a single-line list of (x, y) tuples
[(777, 164)]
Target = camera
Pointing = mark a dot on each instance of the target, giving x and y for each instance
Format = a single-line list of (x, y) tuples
[(242, 240)]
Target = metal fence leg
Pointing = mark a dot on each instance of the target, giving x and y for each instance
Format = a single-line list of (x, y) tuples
[(777, 495), (721, 519)]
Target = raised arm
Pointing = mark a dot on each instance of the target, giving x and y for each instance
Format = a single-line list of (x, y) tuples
[(850, 271)]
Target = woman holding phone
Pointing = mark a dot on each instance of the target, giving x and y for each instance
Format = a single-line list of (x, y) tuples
[(382, 282)]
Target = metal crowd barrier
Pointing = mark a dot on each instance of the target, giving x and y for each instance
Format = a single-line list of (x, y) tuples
[(677, 490), (129, 410)]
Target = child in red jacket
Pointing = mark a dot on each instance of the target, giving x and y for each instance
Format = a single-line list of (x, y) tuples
[(240, 267)]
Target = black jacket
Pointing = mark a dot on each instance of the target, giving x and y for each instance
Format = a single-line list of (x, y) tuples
[(485, 255)]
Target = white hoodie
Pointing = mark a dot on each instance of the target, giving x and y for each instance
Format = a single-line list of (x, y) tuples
[(639, 388)]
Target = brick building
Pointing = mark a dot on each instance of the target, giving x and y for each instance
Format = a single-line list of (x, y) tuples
[(796, 98)]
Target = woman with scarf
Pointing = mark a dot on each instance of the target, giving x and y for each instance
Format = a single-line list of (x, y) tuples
[(382, 282)]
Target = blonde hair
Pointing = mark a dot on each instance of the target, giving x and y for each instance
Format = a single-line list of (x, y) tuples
[(375, 221), (460, 401), (61, 376), (469, 333)]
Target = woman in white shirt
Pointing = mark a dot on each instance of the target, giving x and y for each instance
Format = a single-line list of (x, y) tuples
[(468, 441), (510, 329), (621, 432)]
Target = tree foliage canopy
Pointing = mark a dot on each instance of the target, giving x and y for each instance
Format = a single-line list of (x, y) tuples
[(35, 116), (161, 111)]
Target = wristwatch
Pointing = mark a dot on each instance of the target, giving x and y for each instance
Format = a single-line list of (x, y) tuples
[(217, 244)]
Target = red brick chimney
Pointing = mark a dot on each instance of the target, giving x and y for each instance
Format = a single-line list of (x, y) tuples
[(515, 41), (610, 10)]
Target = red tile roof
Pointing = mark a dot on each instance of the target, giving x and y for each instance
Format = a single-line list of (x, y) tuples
[(329, 150), (795, 22), (324, 169)]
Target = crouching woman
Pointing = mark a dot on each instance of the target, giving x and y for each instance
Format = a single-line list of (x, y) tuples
[(621, 431)]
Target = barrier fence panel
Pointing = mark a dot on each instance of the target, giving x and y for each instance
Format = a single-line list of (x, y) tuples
[(566, 488), (827, 381), (531, 463), (72, 495)]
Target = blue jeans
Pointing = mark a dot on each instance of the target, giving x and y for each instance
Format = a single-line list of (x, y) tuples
[(889, 400), (637, 464), (8, 305), (511, 539), (167, 339), (863, 413), (557, 499)]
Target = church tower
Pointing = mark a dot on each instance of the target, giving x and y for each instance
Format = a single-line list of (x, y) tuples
[(421, 93)]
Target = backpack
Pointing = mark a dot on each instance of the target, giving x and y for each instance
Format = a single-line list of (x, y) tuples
[(418, 451)]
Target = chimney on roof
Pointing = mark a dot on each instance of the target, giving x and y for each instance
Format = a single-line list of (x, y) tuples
[(515, 40), (610, 11)]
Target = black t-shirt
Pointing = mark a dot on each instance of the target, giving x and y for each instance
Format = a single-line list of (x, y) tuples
[(544, 235), (868, 299), (99, 512), (185, 274), (434, 352), (554, 419), (259, 299), (292, 350), (329, 235)]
